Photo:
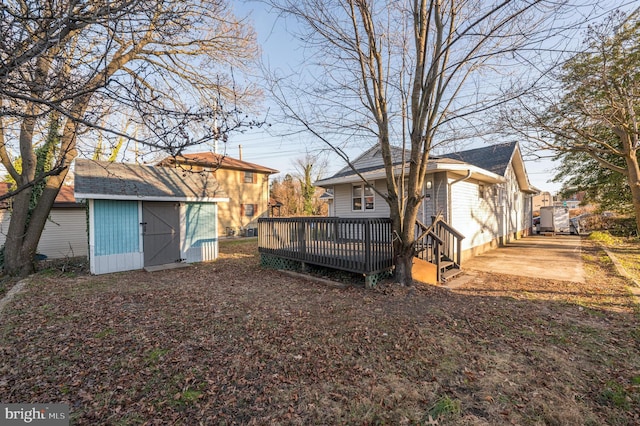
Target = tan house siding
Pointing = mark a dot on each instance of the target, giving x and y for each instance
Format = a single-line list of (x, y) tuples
[(246, 184), (234, 215)]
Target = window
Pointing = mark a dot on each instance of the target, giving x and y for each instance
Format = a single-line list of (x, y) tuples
[(363, 198), (249, 177), (248, 210)]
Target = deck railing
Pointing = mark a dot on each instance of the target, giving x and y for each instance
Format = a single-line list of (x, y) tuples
[(355, 245)]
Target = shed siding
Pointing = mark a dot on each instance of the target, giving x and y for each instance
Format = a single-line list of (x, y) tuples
[(342, 199), (201, 232), (116, 227)]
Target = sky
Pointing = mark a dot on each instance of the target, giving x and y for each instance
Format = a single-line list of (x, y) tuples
[(266, 146), (280, 50)]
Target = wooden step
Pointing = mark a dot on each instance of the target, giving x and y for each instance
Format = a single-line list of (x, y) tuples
[(450, 274), (446, 264)]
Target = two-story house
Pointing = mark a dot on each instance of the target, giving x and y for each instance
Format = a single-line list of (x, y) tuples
[(247, 185)]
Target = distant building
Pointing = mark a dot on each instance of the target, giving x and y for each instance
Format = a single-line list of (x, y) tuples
[(247, 185), (541, 200), (572, 202)]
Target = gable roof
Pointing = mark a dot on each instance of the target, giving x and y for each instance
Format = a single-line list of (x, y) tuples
[(495, 158), (488, 164), (119, 181), (210, 159)]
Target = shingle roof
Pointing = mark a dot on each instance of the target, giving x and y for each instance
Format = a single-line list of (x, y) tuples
[(494, 158), (100, 179), (209, 159)]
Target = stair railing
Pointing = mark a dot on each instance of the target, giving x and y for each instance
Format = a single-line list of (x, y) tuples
[(437, 242)]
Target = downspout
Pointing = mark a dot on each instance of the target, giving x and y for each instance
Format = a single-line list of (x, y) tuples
[(449, 205)]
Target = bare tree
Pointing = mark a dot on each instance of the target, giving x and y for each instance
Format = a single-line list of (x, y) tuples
[(83, 65), (414, 74)]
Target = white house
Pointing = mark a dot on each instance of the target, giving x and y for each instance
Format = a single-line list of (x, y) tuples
[(483, 193)]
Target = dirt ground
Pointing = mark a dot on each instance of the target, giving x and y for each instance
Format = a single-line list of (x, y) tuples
[(231, 343)]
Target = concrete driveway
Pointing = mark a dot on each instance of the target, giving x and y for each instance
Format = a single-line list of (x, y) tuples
[(550, 257)]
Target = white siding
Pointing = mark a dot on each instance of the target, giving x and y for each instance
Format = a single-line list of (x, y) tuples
[(436, 203), (5, 216), (116, 262), (64, 235), (475, 217), (373, 159), (517, 207), (342, 200)]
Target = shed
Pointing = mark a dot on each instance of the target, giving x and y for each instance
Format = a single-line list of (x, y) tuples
[(142, 216)]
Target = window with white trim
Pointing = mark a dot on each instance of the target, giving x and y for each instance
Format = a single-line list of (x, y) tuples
[(363, 198)]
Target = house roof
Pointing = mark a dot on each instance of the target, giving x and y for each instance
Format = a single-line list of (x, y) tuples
[(118, 181), (495, 158), (488, 164), (64, 198), (210, 159)]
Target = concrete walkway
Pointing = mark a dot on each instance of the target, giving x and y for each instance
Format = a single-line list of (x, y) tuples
[(555, 257)]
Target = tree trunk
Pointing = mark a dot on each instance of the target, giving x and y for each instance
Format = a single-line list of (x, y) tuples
[(403, 260), (18, 259), (404, 247), (22, 238), (633, 177)]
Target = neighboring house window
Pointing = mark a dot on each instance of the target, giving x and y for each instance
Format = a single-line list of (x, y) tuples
[(363, 198), (248, 210), (249, 177)]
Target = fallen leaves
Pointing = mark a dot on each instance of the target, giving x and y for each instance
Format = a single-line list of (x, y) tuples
[(228, 342)]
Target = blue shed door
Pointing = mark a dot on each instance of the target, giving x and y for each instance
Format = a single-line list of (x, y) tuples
[(161, 233)]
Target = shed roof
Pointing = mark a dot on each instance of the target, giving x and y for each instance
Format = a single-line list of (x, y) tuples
[(119, 181), (210, 159)]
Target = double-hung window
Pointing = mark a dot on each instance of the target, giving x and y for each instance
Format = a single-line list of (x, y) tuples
[(249, 177), (363, 198)]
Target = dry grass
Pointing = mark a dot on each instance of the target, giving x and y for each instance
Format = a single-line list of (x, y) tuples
[(231, 343)]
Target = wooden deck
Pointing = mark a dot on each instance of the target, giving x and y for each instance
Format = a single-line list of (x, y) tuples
[(354, 245), (362, 246)]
